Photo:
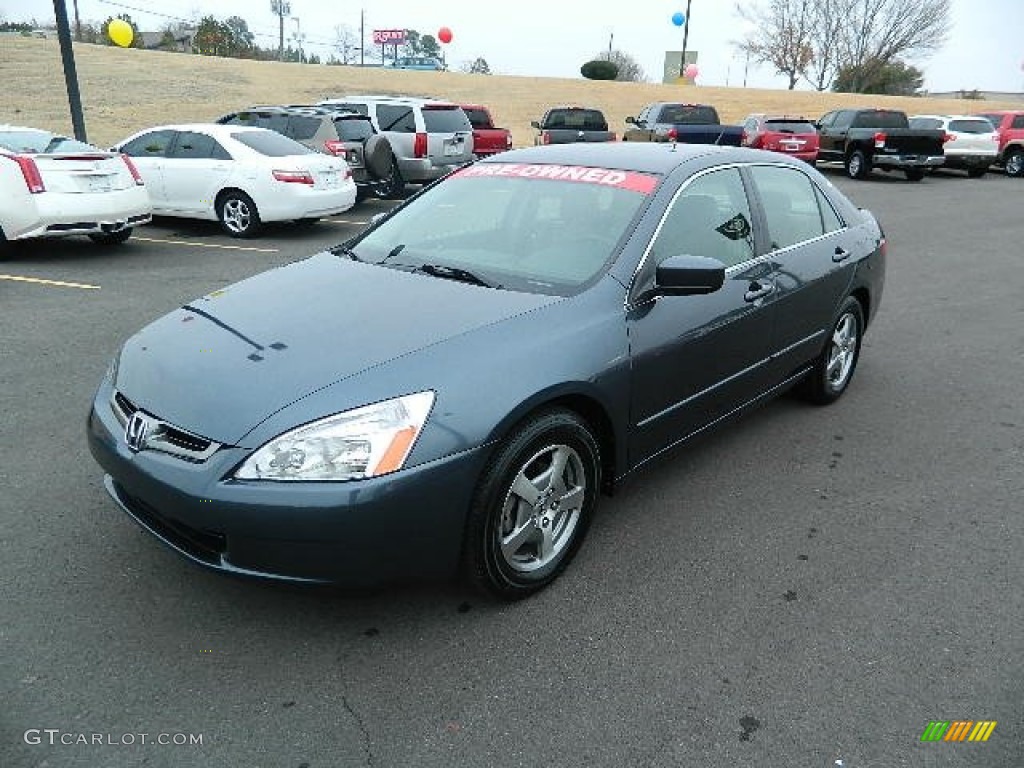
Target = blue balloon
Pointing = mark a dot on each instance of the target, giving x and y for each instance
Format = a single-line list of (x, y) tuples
[(678, 18)]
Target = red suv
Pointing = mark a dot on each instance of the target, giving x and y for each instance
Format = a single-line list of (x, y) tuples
[(1010, 127), (795, 136)]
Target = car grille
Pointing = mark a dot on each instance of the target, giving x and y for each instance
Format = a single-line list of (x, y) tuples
[(165, 437), (207, 546)]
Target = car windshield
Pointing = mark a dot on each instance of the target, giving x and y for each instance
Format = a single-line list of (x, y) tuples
[(41, 143), (270, 144), (535, 228)]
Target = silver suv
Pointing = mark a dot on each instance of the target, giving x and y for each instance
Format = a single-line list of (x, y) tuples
[(430, 138)]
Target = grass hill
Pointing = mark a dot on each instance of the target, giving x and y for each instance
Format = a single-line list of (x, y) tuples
[(127, 90)]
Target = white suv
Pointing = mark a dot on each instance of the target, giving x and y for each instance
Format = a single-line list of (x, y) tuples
[(430, 138), (972, 144)]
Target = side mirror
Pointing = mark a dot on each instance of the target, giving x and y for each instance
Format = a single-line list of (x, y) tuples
[(689, 276), (535, 124)]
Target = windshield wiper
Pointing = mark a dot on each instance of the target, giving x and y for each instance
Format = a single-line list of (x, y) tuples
[(344, 250), (456, 273)]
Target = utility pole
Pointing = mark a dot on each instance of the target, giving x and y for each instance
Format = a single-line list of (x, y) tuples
[(78, 25), (60, 10), (611, 37), (282, 8), (362, 37)]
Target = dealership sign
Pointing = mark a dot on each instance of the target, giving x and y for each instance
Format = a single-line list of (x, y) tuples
[(389, 36)]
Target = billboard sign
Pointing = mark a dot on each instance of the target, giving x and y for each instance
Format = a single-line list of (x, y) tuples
[(389, 36)]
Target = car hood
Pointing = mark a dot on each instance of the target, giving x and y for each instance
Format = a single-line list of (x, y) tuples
[(223, 363)]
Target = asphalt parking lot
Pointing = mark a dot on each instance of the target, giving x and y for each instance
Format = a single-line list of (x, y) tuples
[(804, 587)]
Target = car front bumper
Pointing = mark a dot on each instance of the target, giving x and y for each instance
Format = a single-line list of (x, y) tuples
[(405, 525)]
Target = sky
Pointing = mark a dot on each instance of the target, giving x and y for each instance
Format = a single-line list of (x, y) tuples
[(545, 38)]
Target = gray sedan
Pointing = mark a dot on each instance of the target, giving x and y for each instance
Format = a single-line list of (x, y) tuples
[(451, 391)]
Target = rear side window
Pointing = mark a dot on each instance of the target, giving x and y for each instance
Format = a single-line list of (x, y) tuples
[(789, 126), (270, 144), (970, 126), (445, 120), (790, 203), (926, 123), (395, 117), (350, 129), (152, 144), (1018, 122), (302, 127), (576, 119), (198, 146)]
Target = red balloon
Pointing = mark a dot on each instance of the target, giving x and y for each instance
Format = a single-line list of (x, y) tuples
[(444, 35)]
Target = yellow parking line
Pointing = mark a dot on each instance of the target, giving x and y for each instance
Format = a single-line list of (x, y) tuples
[(41, 281), (206, 245)]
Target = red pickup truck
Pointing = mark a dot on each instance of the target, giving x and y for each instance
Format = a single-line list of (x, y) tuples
[(487, 140), (1010, 127)]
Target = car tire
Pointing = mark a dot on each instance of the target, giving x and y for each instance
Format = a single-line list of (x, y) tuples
[(391, 186), (111, 238), (1015, 163), (858, 166), (238, 214), (914, 174), (378, 156), (521, 531), (834, 368)]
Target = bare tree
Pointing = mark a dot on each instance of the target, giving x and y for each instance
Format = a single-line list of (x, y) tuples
[(346, 43), (781, 35), (830, 20), (629, 69)]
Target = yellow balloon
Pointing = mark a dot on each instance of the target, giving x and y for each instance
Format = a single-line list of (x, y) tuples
[(120, 32)]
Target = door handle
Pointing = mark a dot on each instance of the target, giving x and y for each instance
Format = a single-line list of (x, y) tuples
[(840, 254), (758, 290)]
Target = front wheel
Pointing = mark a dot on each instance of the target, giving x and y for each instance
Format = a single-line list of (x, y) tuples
[(238, 214), (914, 174), (1015, 163), (858, 166), (111, 238), (834, 368), (533, 506)]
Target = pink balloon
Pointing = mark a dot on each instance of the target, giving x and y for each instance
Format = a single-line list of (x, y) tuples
[(444, 35), (691, 71)]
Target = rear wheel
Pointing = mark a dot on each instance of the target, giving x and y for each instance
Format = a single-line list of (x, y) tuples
[(858, 166), (238, 214), (1015, 163), (111, 238), (834, 368), (533, 506), (914, 174)]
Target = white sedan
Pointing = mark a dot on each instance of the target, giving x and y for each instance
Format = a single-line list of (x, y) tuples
[(54, 186), (240, 176), (972, 143)]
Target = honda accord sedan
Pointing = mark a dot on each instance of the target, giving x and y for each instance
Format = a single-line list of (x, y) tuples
[(450, 391)]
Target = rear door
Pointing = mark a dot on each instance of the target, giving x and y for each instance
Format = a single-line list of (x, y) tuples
[(196, 169), (149, 153), (449, 134), (832, 134)]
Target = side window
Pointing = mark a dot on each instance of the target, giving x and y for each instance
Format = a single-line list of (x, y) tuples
[(644, 114), (843, 119), (711, 217), (193, 146), (149, 144), (1018, 122), (829, 218), (790, 204), (392, 117), (827, 120)]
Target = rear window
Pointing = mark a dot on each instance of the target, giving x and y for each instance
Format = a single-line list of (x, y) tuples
[(880, 118), (688, 114), (393, 117), (353, 129), (477, 118), (789, 126), (270, 144), (925, 123), (578, 119), (970, 126), (41, 142), (303, 127), (445, 120)]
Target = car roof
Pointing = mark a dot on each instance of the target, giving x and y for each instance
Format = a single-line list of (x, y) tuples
[(413, 100), (211, 128), (321, 110), (644, 157)]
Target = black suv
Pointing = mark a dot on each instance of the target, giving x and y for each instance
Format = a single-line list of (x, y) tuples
[(342, 133)]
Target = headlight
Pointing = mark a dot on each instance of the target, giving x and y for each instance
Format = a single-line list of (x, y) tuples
[(364, 442)]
